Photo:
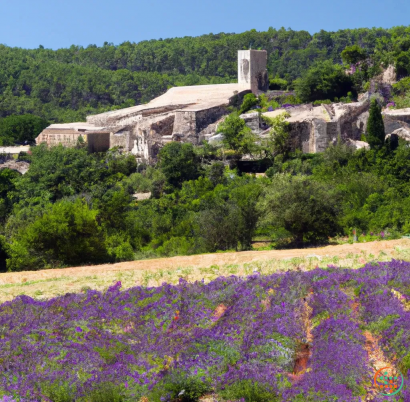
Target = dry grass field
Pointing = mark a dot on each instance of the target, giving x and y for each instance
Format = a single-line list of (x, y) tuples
[(49, 283)]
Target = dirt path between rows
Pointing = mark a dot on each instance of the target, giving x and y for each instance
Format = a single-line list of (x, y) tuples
[(40, 283)]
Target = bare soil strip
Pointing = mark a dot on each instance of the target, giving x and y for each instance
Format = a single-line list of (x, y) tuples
[(376, 356), (304, 353), (54, 282)]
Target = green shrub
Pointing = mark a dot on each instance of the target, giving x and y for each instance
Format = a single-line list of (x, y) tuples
[(375, 126), (249, 390), (182, 387), (58, 391), (324, 80), (322, 102), (119, 248), (106, 392), (237, 135), (176, 246), (307, 209), (67, 234), (405, 365), (382, 324), (249, 101), (265, 103), (178, 162), (18, 129), (277, 83)]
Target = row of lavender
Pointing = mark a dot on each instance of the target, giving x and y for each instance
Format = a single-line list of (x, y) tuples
[(238, 337)]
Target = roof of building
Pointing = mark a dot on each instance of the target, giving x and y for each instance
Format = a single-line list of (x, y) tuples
[(62, 131), (142, 196), (192, 98), (74, 126), (14, 150)]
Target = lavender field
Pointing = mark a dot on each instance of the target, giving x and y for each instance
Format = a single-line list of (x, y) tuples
[(319, 335)]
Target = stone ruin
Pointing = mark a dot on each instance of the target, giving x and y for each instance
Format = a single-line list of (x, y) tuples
[(192, 114), (314, 128), (187, 114)]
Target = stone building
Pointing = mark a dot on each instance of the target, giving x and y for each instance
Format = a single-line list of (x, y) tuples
[(97, 138), (192, 114), (188, 114)]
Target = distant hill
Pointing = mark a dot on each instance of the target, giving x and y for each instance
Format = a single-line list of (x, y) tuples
[(67, 84)]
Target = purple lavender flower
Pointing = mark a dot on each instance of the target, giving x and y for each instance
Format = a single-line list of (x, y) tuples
[(261, 327)]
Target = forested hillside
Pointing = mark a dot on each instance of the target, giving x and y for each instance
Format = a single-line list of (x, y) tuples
[(67, 84), (74, 208)]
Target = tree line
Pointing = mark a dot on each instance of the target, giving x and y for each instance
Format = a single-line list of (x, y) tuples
[(67, 84)]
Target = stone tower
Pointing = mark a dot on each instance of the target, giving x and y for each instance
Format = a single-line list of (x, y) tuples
[(252, 70)]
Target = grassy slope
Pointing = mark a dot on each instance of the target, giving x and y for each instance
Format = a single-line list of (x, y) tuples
[(50, 283)]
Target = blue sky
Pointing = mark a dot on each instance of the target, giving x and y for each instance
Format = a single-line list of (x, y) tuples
[(61, 23)]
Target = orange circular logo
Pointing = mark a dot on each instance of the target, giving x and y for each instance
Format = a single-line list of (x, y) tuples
[(389, 381)]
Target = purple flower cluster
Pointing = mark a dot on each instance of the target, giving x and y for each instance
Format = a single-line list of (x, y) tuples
[(221, 333)]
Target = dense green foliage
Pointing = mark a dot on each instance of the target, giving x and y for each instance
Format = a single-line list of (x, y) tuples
[(66, 84), (375, 135), (75, 208), (249, 101), (324, 81), (353, 54), (236, 134), (21, 129), (305, 208), (179, 163)]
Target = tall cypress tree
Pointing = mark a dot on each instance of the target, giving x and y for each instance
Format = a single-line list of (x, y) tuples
[(375, 126)]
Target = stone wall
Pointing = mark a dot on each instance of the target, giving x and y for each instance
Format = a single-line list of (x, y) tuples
[(164, 127), (121, 139), (67, 137), (319, 136), (98, 142), (185, 126), (207, 117), (396, 119), (300, 136), (332, 131)]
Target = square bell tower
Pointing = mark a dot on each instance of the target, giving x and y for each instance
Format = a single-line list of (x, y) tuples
[(252, 70)]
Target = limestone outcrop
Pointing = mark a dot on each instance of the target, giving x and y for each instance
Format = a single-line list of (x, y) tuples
[(358, 144), (19, 166)]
